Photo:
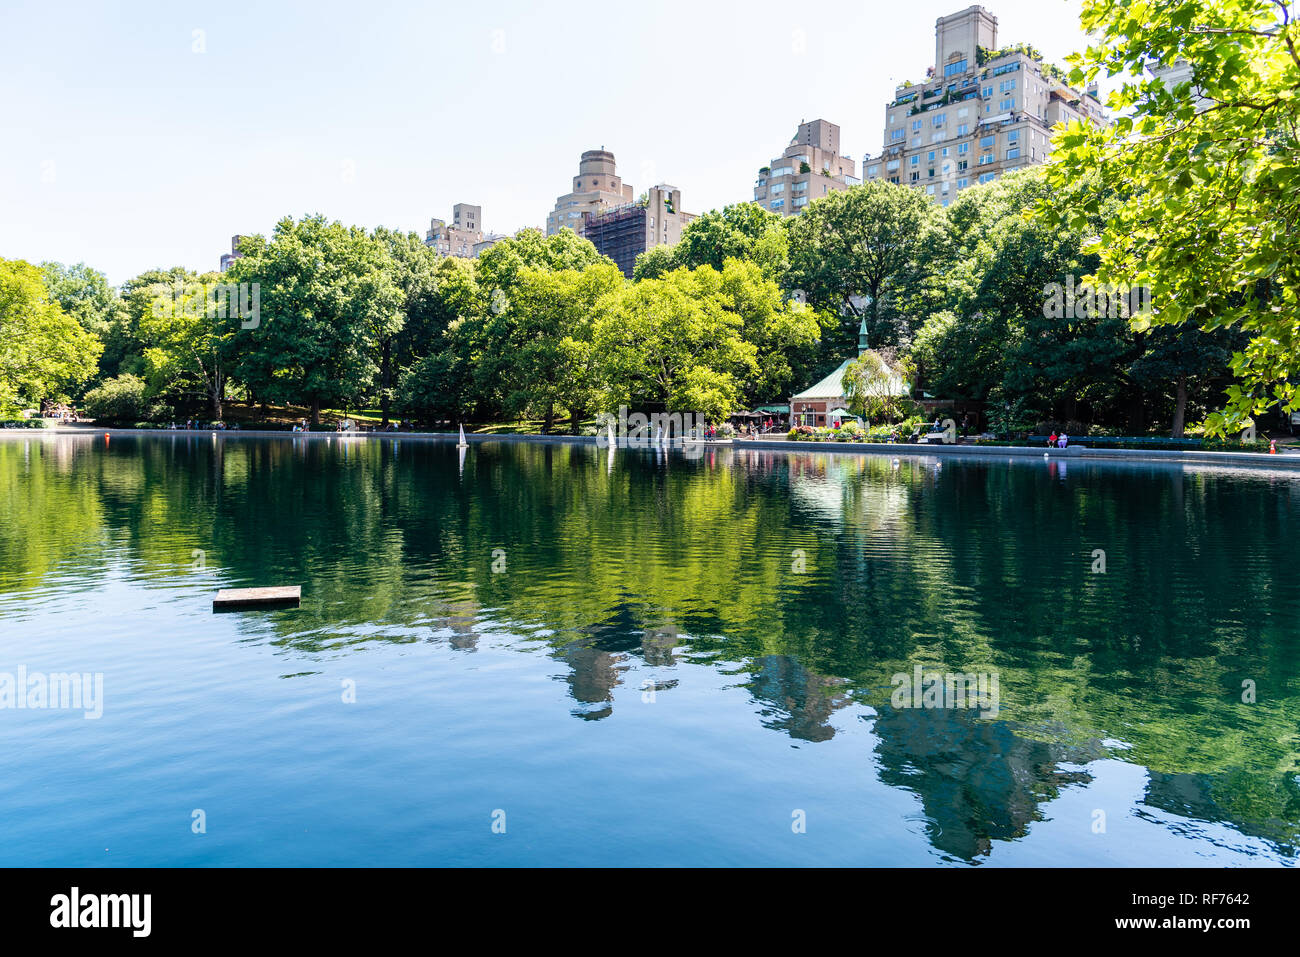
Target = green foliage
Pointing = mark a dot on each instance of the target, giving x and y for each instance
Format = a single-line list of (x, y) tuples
[(1208, 197), (328, 299), (874, 385), (187, 346), (44, 352), (85, 295), (741, 231), (861, 253), (120, 399), (677, 341)]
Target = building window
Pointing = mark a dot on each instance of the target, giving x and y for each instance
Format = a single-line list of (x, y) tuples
[(988, 92), (896, 134), (916, 126), (953, 69), (916, 161), (891, 166), (986, 159), (938, 120), (1006, 86), (1013, 153), (915, 177), (1007, 105), (963, 149), (963, 129), (986, 141), (961, 166), (931, 156), (963, 183), (988, 178), (871, 171)]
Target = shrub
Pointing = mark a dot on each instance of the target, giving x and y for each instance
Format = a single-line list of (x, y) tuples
[(117, 400)]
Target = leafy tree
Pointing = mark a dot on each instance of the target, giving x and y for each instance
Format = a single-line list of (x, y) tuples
[(744, 231), (85, 295), (1206, 176), (784, 334), (655, 263), (123, 344), (862, 253), (676, 341), (415, 272), (874, 385), (328, 300), (188, 346), (120, 399), (1183, 358), (544, 338), (43, 351)]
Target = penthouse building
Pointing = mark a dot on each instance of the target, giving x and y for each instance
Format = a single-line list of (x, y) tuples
[(597, 187), (982, 111), (810, 167)]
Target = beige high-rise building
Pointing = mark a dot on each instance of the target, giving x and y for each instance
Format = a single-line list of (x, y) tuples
[(462, 236), (982, 111), (596, 187), (810, 167)]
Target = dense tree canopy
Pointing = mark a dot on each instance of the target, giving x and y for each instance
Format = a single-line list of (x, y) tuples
[(44, 352), (1206, 173)]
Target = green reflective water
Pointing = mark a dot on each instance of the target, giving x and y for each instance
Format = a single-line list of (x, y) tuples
[(645, 657)]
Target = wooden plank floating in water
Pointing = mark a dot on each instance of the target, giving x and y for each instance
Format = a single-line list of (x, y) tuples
[(284, 596)]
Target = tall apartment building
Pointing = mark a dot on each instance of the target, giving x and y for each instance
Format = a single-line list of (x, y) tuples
[(596, 187), (230, 257), (810, 167), (463, 235), (982, 111), (624, 232)]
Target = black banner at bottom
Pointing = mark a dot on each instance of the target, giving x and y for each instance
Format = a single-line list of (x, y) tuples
[(334, 906)]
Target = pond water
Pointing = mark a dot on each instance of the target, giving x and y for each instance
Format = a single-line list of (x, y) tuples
[(551, 654)]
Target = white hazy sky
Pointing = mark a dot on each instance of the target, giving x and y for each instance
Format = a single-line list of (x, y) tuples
[(129, 141)]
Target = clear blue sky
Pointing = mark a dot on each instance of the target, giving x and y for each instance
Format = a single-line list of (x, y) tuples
[(122, 147)]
